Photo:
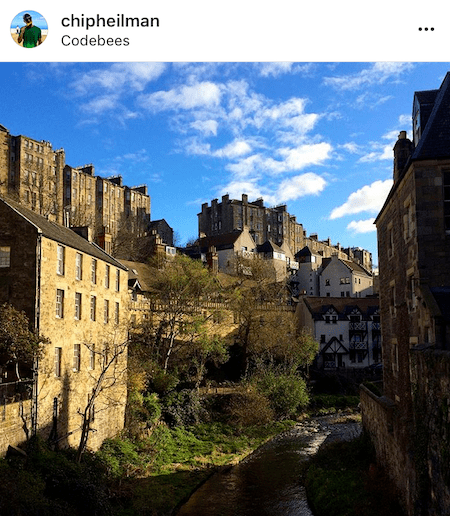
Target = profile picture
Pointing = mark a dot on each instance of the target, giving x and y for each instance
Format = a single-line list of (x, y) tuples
[(29, 29)]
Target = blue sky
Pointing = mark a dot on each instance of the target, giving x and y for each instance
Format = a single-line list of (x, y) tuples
[(317, 136)]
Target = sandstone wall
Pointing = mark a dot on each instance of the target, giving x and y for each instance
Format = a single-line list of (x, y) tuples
[(13, 418)]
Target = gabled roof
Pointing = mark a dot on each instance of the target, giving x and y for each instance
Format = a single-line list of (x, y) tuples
[(140, 272), (269, 247), (61, 234), (221, 242), (318, 306), (352, 266), (435, 140)]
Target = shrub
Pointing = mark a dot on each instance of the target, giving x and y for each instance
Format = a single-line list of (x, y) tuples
[(182, 408), (287, 393), (117, 455), (249, 407)]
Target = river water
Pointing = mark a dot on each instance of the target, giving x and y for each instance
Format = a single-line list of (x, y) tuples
[(266, 483)]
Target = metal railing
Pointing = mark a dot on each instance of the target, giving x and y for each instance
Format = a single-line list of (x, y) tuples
[(13, 392)]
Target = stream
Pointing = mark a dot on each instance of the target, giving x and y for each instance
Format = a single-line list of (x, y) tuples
[(266, 483)]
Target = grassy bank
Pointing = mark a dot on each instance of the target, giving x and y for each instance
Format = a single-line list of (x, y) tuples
[(153, 476), (342, 479), (145, 477)]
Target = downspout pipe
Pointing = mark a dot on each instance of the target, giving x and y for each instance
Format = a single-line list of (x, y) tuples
[(37, 314)]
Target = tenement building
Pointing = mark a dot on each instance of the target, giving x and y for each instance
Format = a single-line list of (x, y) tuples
[(409, 424), (37, 176), (76, 295), (274, 224)]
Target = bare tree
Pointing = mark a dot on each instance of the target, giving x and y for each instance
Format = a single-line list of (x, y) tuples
[(108, 370)]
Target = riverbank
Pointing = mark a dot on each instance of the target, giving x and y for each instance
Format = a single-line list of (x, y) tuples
[(268, 480), (343, 478)]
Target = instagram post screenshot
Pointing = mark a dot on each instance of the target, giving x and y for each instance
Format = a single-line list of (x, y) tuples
[(224, 259)]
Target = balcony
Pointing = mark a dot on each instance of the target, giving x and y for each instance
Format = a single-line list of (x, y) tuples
[(358, 326)]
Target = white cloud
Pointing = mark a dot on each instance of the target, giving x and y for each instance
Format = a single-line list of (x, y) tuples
[(378, 73), (299, 186), (362, 226), (383, 152), (351, 147), (235, 189), (101, 104), (203, 94), (206, 127), (275, 69), (234, 149), (369, 198), (132, 76), (299, 157)]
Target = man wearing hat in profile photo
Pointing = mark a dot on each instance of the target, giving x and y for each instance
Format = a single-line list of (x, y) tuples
[(30, 34)]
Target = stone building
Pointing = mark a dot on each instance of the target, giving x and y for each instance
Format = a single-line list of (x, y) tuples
[(348, 331), (31, 172), (37, 176), (264, 223), (76, 295), (164, 231), (409, 424), (332, 277)]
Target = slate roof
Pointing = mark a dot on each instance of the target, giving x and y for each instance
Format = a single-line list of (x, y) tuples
[(269, 247), (435, 140), (318, 306), (61, 234), (353, 266), (220, 242), (142, 272)]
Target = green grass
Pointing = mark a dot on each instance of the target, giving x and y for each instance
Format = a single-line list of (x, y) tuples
[(342, 479), (161, 471)]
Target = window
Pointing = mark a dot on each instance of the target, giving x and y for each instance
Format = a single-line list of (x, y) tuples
[(59, 303), (58, 357), (392, 308), (78, 266), (411, 294), (60, 260), (116, 313), (327, 282), (447, 201), (107, 271), (92, 356), (322, 339), (106, 311), (117, 280), (5, 256), (390, 243), (76, 357), (408, 221), (93, 308), (77, 306), (94, 270)]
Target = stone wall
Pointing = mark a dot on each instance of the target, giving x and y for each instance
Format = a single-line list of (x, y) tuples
[(418, 462), (13, 418), (430, 377), (381, 421)]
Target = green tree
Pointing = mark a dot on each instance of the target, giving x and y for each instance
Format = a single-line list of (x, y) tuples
[(181, 288), (18, 343)]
